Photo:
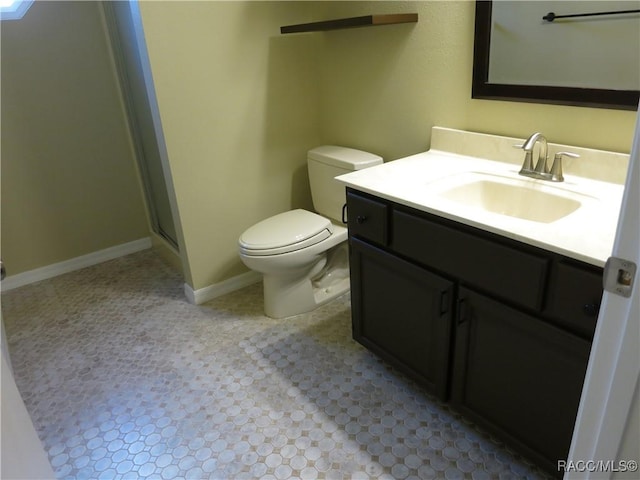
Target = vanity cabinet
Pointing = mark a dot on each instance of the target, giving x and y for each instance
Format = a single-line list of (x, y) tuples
[(499, 328)]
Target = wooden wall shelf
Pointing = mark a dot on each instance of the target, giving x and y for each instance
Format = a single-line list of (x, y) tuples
[(365, 21)]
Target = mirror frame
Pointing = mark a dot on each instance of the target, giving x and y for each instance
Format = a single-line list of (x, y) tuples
[(580, 97)]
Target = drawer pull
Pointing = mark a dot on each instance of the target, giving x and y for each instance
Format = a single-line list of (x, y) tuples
[(361, 219), (591, 309)]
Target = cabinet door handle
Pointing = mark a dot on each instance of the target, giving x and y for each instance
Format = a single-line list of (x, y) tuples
[(344, 214), (444, 302), (462, 311)]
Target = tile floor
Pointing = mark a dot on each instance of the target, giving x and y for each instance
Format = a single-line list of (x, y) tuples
[(124, 379)]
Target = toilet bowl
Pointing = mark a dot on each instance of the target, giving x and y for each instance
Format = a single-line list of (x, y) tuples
[(302, 255), (301, 275)]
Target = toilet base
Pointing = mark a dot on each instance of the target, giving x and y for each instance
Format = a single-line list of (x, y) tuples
[(298, 299), (296, 293)]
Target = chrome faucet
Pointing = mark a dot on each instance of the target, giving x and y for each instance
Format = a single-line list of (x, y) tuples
[(541, 170)]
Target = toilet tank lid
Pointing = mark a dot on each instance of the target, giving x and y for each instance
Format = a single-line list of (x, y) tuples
[(343, 157)]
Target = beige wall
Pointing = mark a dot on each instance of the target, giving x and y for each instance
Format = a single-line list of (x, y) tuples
[(241, 104), (69, 183), (239, 109)]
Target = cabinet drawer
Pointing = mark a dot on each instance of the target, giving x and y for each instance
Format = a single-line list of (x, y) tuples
[(367, 218), (574, 297), (503, 271)]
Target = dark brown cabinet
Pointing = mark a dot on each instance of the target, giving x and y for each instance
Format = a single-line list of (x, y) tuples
[(517, 375), (499, 328), (402, 312)]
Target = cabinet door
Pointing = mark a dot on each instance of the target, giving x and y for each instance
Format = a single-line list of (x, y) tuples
[(518, 375), (402, 313)]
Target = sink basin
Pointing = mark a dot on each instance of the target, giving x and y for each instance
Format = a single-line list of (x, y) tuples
[(514, 200)]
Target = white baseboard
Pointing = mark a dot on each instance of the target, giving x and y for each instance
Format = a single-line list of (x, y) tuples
[(43, 273), (202, 295)]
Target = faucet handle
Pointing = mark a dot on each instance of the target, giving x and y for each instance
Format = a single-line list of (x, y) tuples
[(556, 168)]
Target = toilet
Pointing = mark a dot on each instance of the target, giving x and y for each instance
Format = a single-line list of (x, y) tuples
[(302, 255)]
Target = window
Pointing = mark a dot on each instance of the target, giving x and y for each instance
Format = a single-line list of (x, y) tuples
[(14, 9)]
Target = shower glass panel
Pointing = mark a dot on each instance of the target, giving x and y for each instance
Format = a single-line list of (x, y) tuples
[(127, 40)]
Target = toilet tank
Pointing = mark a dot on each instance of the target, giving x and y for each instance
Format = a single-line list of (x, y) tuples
[(327, 162)]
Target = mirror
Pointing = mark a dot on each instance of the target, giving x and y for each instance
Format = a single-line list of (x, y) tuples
[(489, 82)]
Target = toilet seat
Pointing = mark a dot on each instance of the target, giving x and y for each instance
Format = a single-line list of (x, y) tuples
[(284, 233)]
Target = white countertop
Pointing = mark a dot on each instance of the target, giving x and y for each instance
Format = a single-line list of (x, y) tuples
[(417, 181)]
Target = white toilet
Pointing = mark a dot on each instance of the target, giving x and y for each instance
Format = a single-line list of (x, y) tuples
[(303, 256)]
